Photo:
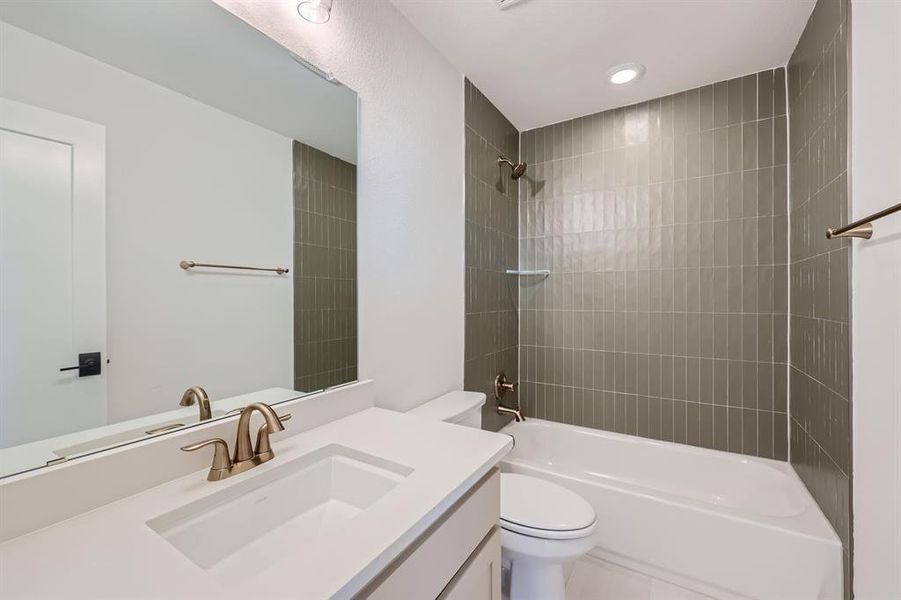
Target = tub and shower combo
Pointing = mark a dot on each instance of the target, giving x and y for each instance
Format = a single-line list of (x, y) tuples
[(728, 525)]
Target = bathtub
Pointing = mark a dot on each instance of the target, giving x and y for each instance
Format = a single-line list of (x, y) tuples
[(723, 524)]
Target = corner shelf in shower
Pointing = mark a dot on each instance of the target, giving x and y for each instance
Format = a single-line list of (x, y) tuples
[(529, 273)]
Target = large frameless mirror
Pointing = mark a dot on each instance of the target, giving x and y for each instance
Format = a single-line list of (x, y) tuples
[(177, 224)]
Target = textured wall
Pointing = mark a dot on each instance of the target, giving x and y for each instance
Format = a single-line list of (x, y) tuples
[(875, 149), (664, 225), (409, 189), (492, 227), (325, 269), (819, 375)]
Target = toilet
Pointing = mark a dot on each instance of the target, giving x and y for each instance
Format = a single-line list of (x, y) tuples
[(543, 525)]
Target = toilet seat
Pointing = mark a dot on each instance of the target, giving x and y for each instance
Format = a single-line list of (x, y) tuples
[(547, 534), (542, 509)]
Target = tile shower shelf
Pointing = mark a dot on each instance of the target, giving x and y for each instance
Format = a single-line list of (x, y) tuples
[(528, 273)]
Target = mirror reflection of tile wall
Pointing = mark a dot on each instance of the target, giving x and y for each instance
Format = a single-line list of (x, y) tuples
[(325, 269)]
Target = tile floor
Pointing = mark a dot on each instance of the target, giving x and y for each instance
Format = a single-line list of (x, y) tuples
[(593, 579)]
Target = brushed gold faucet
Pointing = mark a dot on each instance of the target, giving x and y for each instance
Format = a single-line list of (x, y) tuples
[(203, 401), (514, 412), (246, 456)]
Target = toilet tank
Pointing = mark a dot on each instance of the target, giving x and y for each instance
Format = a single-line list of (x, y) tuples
[(462, 408)]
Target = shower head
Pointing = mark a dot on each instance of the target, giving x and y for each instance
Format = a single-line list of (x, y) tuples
[(519, 169)]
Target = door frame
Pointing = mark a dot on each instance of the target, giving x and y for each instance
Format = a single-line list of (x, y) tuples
[(89, 290)]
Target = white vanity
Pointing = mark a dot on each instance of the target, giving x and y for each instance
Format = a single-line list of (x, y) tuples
[(373, 504)]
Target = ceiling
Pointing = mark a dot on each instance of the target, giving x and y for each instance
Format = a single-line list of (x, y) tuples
[(202, 51), (545, 61)]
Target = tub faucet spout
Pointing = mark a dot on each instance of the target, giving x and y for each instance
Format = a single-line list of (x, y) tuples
[(517, 414)]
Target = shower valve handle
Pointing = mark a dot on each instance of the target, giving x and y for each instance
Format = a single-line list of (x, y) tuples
[(502, 386)]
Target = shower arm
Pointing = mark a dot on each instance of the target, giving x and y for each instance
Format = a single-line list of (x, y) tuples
[(518, 169)]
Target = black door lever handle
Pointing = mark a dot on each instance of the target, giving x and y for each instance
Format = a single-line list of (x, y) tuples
[(88, 364)]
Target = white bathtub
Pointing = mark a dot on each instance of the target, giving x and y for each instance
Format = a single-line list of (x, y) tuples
[(723, 524)]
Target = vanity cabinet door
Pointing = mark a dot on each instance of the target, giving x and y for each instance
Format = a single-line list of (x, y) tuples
[(432, 562), (480, 577)]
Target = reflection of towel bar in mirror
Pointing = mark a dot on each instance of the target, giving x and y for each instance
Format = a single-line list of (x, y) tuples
[(190, 264)]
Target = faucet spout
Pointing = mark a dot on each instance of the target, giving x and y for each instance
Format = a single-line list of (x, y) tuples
[(243, 446), (514, 412), (246, 457), (203, 401)]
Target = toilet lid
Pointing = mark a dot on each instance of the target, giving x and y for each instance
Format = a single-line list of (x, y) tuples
[(542, 508)]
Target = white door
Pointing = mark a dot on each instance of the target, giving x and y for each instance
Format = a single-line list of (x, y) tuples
[(52, 273)]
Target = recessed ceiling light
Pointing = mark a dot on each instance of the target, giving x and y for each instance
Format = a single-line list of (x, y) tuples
[(315, 11), (625, 73)]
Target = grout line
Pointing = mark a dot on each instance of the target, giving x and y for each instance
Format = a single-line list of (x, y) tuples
[(568, 134), (823, 450)]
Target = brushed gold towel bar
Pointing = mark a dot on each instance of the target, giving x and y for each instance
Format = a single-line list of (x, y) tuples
[(862, 228), (190, 264)]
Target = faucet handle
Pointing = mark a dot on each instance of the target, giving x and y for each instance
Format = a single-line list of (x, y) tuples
[(221, 461), (502, 386), (262, 448)]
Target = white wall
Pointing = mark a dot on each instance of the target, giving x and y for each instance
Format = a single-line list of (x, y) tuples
[(184, 181), (410, 188), (876, 298)]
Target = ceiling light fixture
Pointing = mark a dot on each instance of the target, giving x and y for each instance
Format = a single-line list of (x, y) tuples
[(315, 11), (625, 73)]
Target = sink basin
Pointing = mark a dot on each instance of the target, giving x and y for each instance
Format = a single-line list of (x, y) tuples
[(128, 435), (254, 523)]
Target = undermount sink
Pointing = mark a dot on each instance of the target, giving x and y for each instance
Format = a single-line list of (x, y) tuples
[(254, 523), (130, 435)]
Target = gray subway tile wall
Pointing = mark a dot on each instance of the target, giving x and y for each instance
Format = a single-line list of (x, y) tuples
[(665, 227), (819, 286), (492, 225), (325, 269)]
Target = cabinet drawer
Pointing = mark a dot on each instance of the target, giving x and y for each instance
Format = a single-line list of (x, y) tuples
[(427, 566), (480, 577)]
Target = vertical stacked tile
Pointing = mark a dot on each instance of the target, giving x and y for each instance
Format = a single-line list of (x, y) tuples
[(325, 269), (665, 227), (492, 226), (819, 286)]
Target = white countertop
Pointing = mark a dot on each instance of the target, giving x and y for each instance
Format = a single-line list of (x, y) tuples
[(111, 552)]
